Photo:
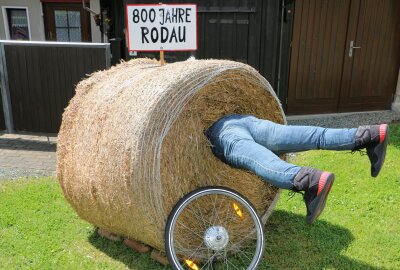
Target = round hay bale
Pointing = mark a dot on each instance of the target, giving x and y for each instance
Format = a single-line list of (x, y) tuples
[(132, 142)]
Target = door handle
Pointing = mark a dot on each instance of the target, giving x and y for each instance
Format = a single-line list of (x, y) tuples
[(352, 47)]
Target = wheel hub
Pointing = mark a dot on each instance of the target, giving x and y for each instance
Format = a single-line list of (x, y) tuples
[(216, 238)]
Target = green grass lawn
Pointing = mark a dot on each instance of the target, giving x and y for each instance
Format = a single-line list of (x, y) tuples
[(359, 229)]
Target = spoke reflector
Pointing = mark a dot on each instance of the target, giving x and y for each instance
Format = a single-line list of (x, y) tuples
[(192, 265), (237, 210)]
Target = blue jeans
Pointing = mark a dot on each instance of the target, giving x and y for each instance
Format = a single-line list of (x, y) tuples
[(246, 142)]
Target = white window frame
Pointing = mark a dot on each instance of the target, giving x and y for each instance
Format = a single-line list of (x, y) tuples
[(5, 20)]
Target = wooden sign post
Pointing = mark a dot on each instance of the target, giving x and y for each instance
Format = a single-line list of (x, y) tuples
[(161, 28), (162, 58), (161, 52)]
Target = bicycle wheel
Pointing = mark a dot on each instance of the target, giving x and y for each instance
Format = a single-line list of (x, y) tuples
[(214, 228)]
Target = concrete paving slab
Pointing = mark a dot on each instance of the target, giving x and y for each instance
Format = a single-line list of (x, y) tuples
[(23, 155)]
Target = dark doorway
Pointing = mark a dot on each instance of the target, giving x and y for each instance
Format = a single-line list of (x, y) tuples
[(345, 56), (66, 22)]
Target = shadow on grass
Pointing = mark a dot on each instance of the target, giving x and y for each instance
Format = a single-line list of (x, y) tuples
[(118, 251), (291, 244)]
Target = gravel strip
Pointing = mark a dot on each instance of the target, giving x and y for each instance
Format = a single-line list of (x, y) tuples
[(345, 120), (15, 173)]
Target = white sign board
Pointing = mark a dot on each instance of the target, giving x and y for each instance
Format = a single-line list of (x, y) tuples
[(162, 27)]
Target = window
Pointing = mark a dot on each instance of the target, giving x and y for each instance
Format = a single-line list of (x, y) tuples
[(16, 23), (66, 22), (68, 25)]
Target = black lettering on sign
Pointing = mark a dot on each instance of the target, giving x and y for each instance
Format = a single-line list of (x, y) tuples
[(145, 31), (168, 17), (154, 35), (187, 15), (143, 15), (181, 13), (135, 14), (174, 15), (164, 34), (182, 36), (173, 35), (152, 15), (162, 14)]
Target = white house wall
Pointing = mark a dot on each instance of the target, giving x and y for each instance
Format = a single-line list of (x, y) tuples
[(96, 34), (36, 23)]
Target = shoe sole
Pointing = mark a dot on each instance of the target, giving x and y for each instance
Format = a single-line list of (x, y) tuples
[(323, 205), (319, 202), (380, 149)]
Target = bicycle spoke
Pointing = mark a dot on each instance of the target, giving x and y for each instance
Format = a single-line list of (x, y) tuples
[(215, 213), (202, 217), (183, 225), (232, 264), (209, 260)]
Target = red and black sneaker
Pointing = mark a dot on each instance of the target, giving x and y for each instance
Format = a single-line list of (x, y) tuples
[(374, 139), (316, 185)]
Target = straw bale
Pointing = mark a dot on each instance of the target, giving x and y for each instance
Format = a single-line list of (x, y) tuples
[(132, 142)]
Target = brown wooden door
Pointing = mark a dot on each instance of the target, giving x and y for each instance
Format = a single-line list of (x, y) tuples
[(370, 74), (323, 77), (67, 22)]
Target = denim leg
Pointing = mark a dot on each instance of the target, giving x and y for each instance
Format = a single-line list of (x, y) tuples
[(249, 155), (243, 141), (284, 139)]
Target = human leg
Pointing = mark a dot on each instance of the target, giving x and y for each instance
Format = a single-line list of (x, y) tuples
[(249, 155), (233, 144), (284, 139), (316, 185), (374, 139)]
